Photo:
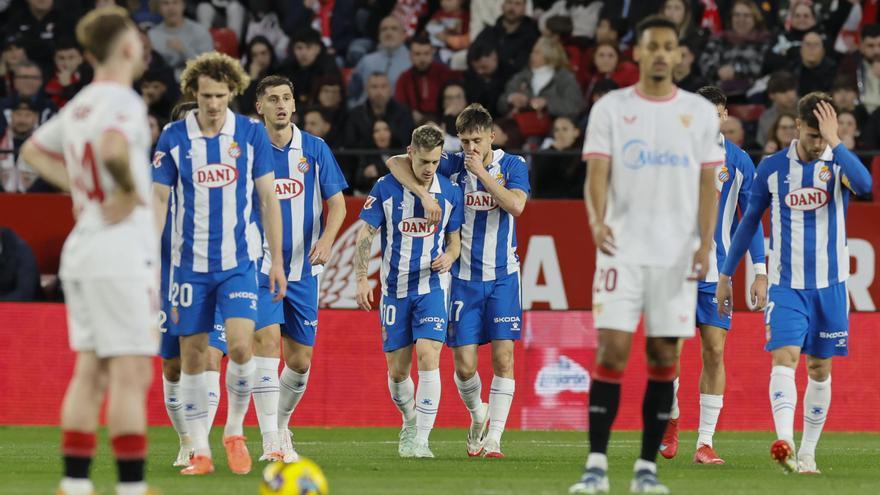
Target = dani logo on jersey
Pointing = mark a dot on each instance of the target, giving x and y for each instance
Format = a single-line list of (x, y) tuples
[(636, 155), (215, 175), (480, 201), (416, 227), (806, 199), (288, 188)]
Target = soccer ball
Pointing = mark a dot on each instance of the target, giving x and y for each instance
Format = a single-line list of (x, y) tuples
[(303, 477)]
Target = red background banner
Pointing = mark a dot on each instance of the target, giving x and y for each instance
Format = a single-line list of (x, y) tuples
[(348, 385)]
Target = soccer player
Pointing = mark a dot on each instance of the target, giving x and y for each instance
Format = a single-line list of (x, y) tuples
[(98, 148), (652, 150), (486, 305), (416, 259), (306, 176), (807, 187), (169, 349), (215, 159), (733, 180)]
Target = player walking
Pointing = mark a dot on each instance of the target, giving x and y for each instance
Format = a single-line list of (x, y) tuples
[(306, 176), (109, 261), (214, 159), (807, 188), (733, 180), (652, 221), (416, 259), (486, 304)]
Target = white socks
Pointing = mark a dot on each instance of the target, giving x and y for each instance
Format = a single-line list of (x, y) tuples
[(470, 391), (817, 399), (266, 393), (77, 486), (194, 395), (710, 409), (783, 399), (212, 378), (427, 402), (674, 412), (597, 460), (174, 406), (293, 386), (138, 488), (500, 397), (403, 396), (239, 385)]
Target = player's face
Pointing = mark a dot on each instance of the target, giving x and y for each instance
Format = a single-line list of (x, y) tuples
[(277, 106), (657, 54), (722, 113), (810, 140), (213, 98), (425, 163), (479, 142)]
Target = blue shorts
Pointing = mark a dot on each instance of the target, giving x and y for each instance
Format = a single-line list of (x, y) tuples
[(170, 346), (411, 318), (195, 297), (707, 308), (297, 313), (816, 320), (481, 312)]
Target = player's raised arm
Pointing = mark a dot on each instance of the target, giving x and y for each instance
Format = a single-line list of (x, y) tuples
[(363, 245), (512, 201), (43, 153), (270, 209), (401, 168), (858, 179)]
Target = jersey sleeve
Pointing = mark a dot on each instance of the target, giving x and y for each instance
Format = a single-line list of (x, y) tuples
[(747, 169), (518, 175), (129, 118), (450, 164), (456, 217), (48, 138), (598, 139), (263, 161), (711, 151), (372, 212), (329, 174), (164, 168)]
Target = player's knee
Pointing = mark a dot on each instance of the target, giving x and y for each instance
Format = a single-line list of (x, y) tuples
[(429, 361), (819, 369), (131, 374), (713, 354), (398, 375), (240, 352), (267, 343), (503, 363), (299, 361)]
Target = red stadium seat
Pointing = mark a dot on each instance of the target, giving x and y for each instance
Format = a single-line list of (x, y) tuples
[(225, 41), (746, 112)]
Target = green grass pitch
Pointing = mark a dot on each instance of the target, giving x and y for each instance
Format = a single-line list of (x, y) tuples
[(364, 461)]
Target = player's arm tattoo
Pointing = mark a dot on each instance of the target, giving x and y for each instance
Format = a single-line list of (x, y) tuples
[(363, 244)]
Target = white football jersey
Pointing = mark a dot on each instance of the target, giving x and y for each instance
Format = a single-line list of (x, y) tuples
[(94, 249), (657, 149)]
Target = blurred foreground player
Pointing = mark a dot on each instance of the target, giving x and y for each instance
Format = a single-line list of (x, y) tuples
[(109, 261), (652, 218), (807, 187)]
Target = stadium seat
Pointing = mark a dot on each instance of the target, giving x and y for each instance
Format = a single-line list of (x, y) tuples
[(225, 41), (875, 175), (746, 112)]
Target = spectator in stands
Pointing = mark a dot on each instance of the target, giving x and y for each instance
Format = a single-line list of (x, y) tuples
[(159, 93), (13, 54), (329, 94), (733, 59), (317, 122), (864, 67), (507, 135), (156, 125), (556, 176), (800, 20), (379, 106), (681, 13), (310, 60), (452, 101), (686, 76), (39, 24), (391, 58), (259, 62), (336, 23), (486, 76), (18, 176), (606, 64), (71, 74), (372, 166), (783, 131), (609, 30), (848, 130), (845, 94), (783, 95), (234, 12), (732, 129), (601, 89), (449, 29), (19, 276), (514, 34), (153, 61), (177, 38), (263, 21), (584, 16), (27, 82), (419, 86), (546, 85), (815, 71)]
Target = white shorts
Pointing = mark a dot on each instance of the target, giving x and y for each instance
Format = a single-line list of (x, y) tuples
[(113, 317), (622, 292)]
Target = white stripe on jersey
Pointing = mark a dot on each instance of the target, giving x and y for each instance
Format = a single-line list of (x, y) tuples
[(317, 207), (821, 242), (840, 221), (201, 209), (388, 209), (228, 254), (405, 251), (775, 263), (297, 212), (795, 181), (176, 219)]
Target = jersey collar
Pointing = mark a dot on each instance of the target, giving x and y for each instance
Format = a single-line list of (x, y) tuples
[(297, 141), (435, 185), (792, 154), (194, 132)]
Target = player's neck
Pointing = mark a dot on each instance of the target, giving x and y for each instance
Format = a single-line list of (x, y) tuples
[(280, 137), (655, 89), (802, 153), (113, 73), (210, 128)]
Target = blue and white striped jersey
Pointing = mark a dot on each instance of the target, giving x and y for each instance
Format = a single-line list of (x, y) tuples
[(733, 181), (409, 245), (306, 174), (488, 234), (213, 180), (808, 201)]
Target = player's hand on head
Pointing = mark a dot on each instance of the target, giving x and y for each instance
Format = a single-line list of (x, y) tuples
[(364, 294), (758, 292), (119, 205), (441, 263), (604, 239), (827, 118), (277, 282)]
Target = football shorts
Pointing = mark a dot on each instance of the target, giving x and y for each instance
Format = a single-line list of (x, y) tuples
[(196, 296), (297, 313), (707, 308), (411, 318), (483, 311), (816, 320)]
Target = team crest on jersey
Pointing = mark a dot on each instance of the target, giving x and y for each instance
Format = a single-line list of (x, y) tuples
[(157, 158), (234, 150), (499, 178), (824, 173), (303, 165), (175, 316), (686, 119), (724, 174)]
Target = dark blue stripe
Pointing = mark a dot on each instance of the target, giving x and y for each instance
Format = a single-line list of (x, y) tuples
[(241, 137), (785, 222), (282, 172), (418, 246), (308, 211), (832, 232), (809, 232), (215, 207), (391, 223), (189, 197), (478, 242)]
